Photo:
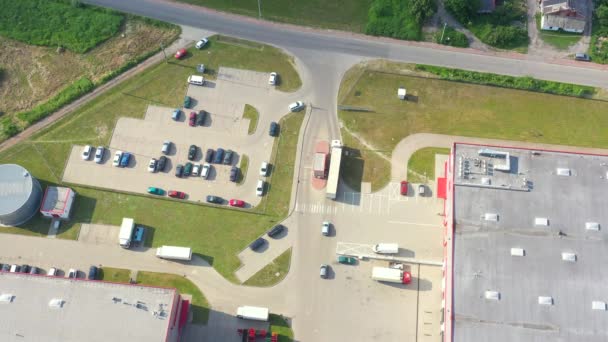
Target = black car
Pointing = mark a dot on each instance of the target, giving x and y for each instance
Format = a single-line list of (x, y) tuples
[(192, 152), (257, 244), (34, 270), (209, 155), (188, 169), (215, 199), (6, 267), (234, 173), (160, 164), (179, 170), (276, 230), (228, 157), (219, 156), (200, 118), (274, 129), (25, 269), (92, 273)]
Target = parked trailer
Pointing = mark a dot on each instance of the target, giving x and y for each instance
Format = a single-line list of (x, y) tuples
[(334, 169), (319, 166), (175, 253), (126, 232), (391, 275), (253, 313), (386, 248)]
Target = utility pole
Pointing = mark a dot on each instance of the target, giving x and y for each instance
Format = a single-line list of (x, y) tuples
[(162, 46), (259, 9), (442, 33)]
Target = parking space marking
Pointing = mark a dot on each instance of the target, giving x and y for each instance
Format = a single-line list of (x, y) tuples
[(414, 223)]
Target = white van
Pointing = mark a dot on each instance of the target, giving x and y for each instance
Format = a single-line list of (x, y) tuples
[(386, 248), (253, 313), (196, 80), (259, 189)]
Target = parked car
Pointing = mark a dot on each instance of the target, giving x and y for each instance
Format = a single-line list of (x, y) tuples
[(234, 173), (200, 118), (276, 230), (15, 268), (162, 162), (86, 152), (214, 199), (228, 157), (99, 152), (259, 189), (196, 170), (25, 268), (179, 170), (192, 119), (421, 190), (152, 165), (176, 114), (176, 194), (192, 152), (73, 273), (187, 169), (34, 270), (264, 169), (166, 147), (181, 53), (325, 228), (274, 129), (117, 157), (219, 156), (403, 188), (92, 273), (324, 271), (582, 57), (124, 160), (296, 106), (209, 155), (155, 191), (272, 80), (257, 243), (187, 101), (347, 260), (205, 171), (6, 268), (201, 43), (236, 203), (52, 272)]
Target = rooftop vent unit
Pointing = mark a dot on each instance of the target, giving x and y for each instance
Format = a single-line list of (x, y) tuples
[(486, 181), (492, 295), (541, 221), (598, 305), (545, 300), (563, 171), (56, 303), (490, 217), (566, 256), (6, 298), (592, 226), (518, 252)]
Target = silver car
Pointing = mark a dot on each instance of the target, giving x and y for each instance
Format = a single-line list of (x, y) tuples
[(324, 271), (99, 154)]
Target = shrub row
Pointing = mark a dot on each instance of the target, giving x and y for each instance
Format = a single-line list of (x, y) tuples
[(401, 19), (524, 83), (8, 128), (598, 48)]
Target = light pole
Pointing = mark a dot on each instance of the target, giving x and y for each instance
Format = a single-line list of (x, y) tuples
[(162, 46), (260, 9), (442, 33)]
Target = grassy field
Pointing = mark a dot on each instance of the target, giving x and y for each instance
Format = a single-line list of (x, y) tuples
[(421, 166), (363, 165), (348, 15), (199, 304), (559, 40), (445, 107), (215, 234), (272, 273), (244, 165), (280, 326), (253, 115), (117, 275)]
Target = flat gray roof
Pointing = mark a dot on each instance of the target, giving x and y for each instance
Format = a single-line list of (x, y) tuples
[(15, 187), (531, 189), (91, 310), (55, 199)]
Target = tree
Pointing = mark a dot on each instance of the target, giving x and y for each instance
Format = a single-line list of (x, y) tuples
[(463, 10), (601, 14)]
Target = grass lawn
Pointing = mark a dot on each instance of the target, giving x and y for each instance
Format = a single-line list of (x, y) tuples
[(253, 115), (272, 273), (199, 304), (363, 165), (215, 234), (421, 166), (559, 40), (244, 166), (347, 15), (280, 326), (117, 275), (445, 107)]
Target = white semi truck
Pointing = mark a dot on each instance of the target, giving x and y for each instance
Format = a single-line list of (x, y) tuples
[(391, 275), (126, 232), (253, 313), (173, 252), (334, 169)]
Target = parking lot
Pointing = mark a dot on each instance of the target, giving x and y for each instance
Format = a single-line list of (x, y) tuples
[(223, 127)]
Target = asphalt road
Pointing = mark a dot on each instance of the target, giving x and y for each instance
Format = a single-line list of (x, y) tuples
[(322, 43)]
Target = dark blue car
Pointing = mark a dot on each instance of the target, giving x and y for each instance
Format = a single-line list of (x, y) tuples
[(219, 156), (124, 161)]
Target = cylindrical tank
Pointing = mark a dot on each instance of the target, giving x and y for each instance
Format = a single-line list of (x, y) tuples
[(20, 195)]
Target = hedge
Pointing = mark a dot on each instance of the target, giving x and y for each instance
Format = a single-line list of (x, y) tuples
[(401, 19), (524, 83), (8, 127)]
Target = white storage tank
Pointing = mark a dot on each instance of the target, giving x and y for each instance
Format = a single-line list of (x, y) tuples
[(20, 195)]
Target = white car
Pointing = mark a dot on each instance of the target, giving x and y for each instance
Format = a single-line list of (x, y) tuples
[(86, 152), (273, 78), (325, 228), (259, 189), (52, 272), (296, 106), (117, 156), (264, 169), (201, 43), (99, 152), (205, 172), (73, 273), (152, 165), (196, 170)]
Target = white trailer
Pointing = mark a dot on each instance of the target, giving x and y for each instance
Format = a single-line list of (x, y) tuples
[(386, 248), (334, 169), (391, 275), (253, 313), (175, 253), (126, 232)]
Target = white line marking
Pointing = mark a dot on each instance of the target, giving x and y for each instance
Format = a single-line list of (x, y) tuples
[(416, 224)]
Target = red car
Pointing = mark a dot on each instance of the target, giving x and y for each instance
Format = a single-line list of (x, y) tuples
[(180, 53), (176, 194), (192, 119), (236, 203), (403, 188)]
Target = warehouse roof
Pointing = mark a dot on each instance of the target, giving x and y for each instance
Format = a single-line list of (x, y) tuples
[(15, 187)]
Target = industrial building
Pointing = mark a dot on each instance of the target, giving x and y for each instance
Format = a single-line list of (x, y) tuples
[(57, 202), (57, 309), (20, 195), (525, 244)]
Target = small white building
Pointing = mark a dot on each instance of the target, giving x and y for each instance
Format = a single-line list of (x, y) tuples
[(402, 93), (57, 202)]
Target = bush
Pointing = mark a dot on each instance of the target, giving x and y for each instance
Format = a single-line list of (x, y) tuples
[(463, 10), (524, 83), (65, 96), (401, 19), (57, 23), (451, 37), (505, 36), (8, 127)]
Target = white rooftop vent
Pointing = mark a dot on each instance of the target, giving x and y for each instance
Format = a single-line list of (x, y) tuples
[(518, 252), (541, 221), (492, 295), (566, 256), (486, 181), (56, 303), (6, 298), (563, 171), (592, 226), (490, 217), (598, 305), (543, 300)]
